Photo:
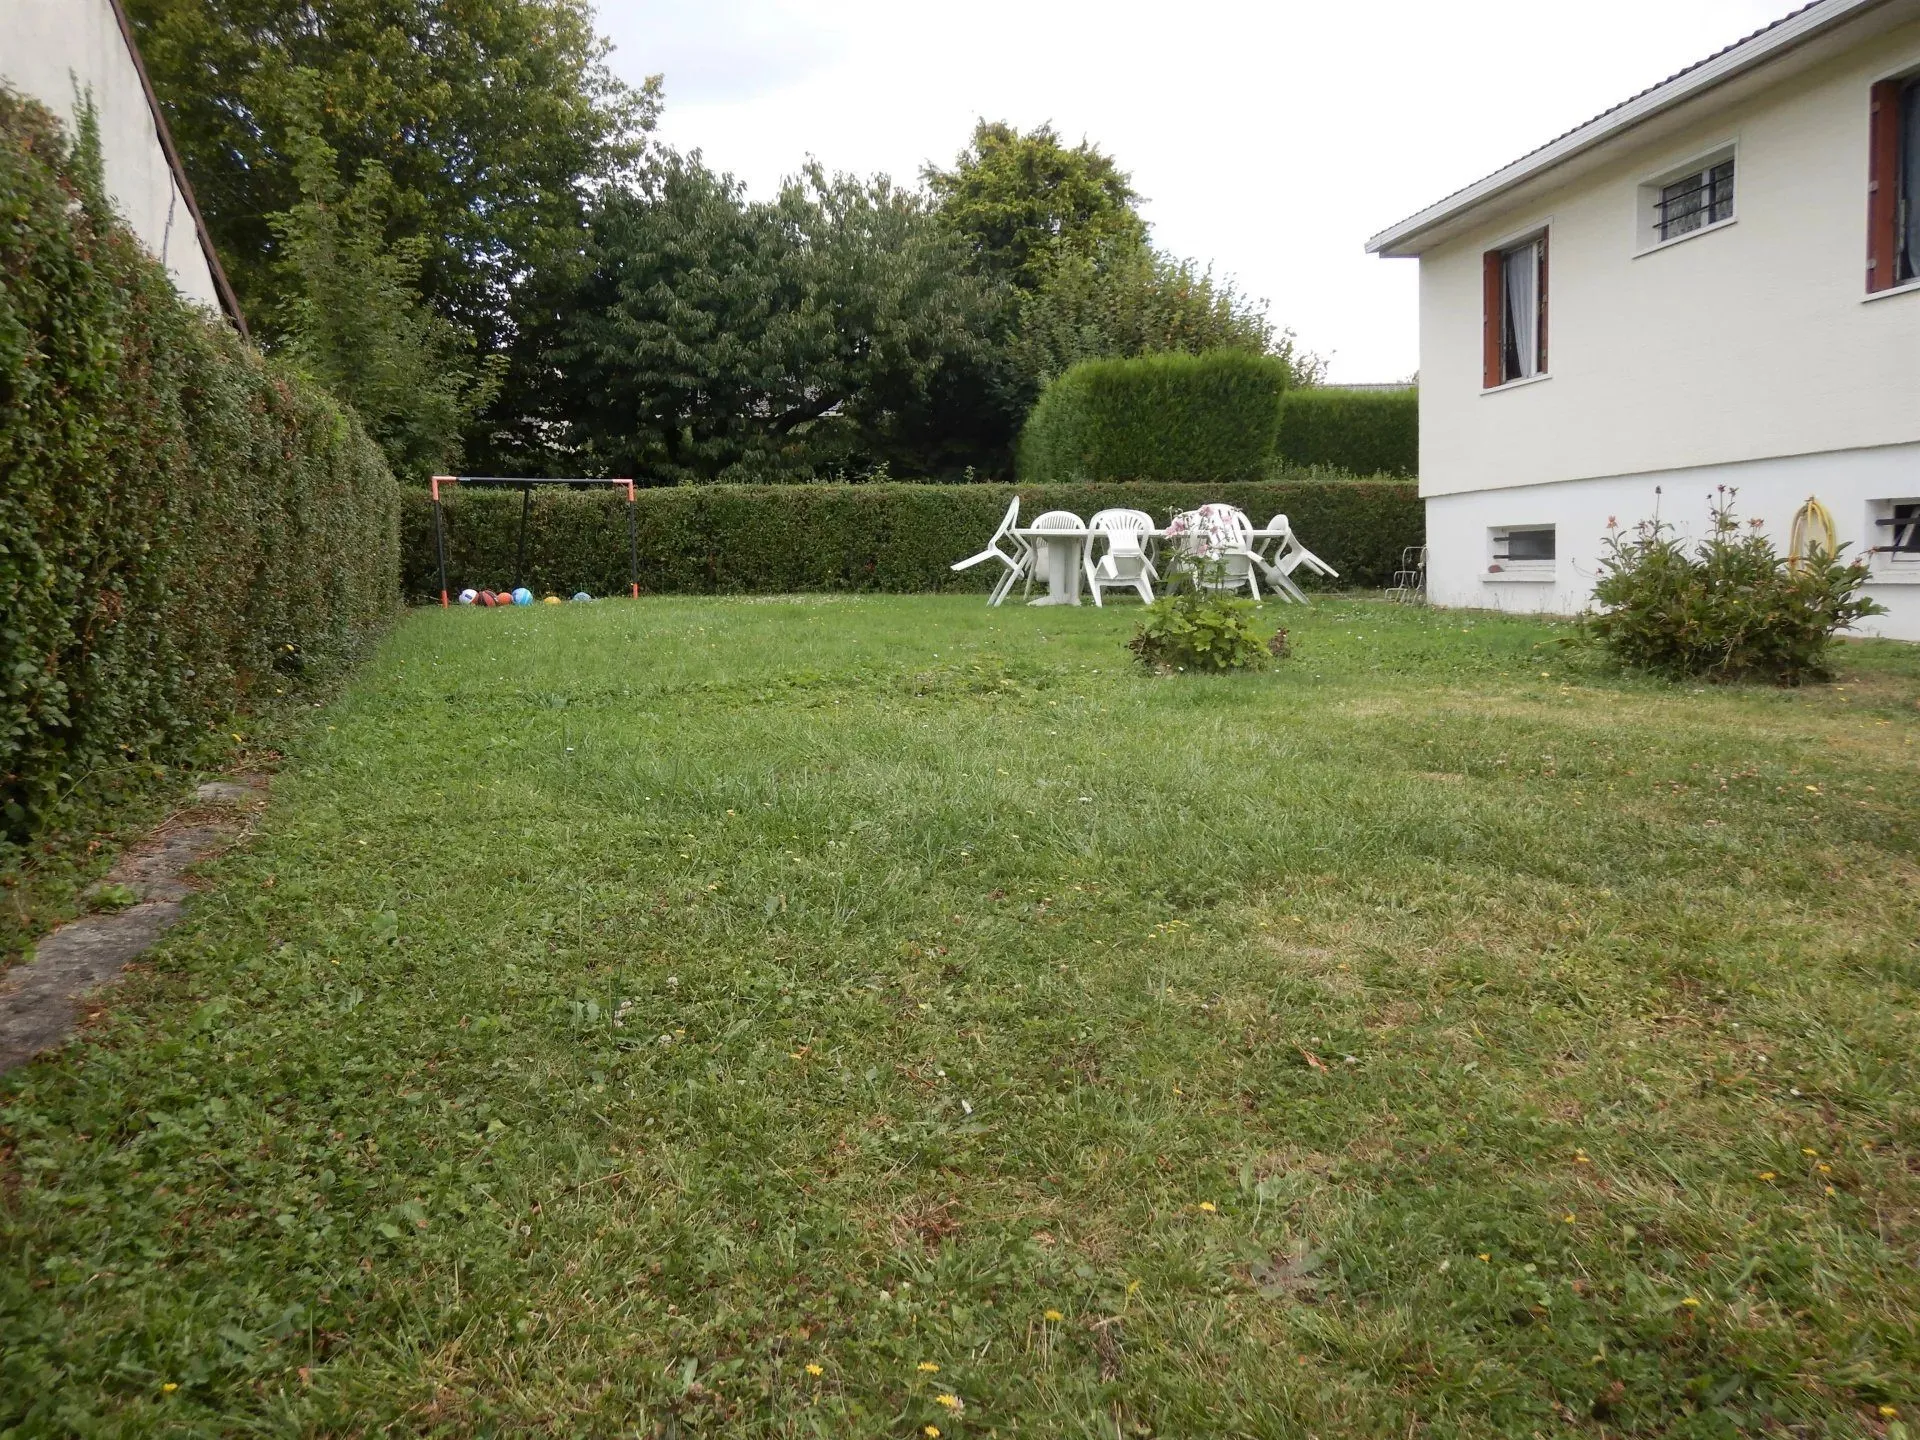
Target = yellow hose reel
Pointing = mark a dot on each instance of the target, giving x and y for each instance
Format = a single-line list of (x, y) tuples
[(1812, 528)]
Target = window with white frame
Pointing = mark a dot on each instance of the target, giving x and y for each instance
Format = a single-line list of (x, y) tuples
[(1522, 549), (1698, 196)]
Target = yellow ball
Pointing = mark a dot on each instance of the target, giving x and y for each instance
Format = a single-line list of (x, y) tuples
[(551, 600)]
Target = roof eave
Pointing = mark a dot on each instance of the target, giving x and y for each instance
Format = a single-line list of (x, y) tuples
[(1398, 241)]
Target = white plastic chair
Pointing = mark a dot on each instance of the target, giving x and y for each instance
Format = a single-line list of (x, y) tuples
[(1048, 520), (1220, 538), (1125, 566), (1288, 556), (1019, 563)]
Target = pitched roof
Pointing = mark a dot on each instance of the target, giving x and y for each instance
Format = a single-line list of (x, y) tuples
[(229, 302), (1788, 31)]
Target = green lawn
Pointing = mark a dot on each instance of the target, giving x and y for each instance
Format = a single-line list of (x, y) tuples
[(709, 1017)]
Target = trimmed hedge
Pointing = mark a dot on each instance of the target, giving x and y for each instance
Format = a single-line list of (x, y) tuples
[(1207, 417), (1367, 432), (182, 524), (772, 539)]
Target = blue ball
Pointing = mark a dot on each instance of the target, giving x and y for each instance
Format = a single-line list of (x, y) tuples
[(467, 597), (583, 595), (523, 596)]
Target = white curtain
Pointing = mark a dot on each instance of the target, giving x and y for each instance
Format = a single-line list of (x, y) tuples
[(1522, 268)]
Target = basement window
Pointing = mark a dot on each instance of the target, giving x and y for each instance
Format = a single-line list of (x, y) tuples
[(1522, 551), (1896, 535)]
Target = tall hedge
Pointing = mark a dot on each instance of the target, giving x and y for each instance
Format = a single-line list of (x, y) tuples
[(1176, 418), (1366, 432), (182, 524), (705, 539)]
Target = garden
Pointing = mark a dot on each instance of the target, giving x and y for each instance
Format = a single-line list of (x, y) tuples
[(802, 999), (877, 1015)]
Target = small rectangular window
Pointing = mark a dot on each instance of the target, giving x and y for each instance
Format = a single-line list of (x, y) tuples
[(1693, 196), (1697, 200), (1897, 523), (1523, 545), (1516, 312)]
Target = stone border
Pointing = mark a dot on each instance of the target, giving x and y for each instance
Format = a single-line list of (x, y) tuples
[(38, 999)]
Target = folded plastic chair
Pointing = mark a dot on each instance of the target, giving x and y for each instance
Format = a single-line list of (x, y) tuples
[(1288, 556), (1125, 565), (1009, 549)]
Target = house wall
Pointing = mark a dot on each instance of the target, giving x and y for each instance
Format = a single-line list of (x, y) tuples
[(1743, 343), (50, 47), (1848, 483)]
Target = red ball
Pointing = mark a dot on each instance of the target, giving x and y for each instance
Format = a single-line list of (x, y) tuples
[(486, 597)]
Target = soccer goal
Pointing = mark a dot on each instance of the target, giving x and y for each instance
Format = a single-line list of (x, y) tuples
[(525, 485)]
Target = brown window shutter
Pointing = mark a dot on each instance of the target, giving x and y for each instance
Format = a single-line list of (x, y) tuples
[(1543, 305), (1493, 296), (1883, 184)]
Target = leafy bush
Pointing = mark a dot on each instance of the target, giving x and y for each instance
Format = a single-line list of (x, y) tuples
[(182, 524), (1729, 608), (1201, 630), (769, 539), (1180, 418), (1367, 432)]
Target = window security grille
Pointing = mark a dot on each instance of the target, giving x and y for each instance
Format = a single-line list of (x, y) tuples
[(1521, 547), (1695, 201), (1904, 525)]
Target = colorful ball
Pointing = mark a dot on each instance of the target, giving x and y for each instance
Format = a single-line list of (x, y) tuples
[(523, 596), (489, 599), (582, 595), (551, 600), (467, 597)]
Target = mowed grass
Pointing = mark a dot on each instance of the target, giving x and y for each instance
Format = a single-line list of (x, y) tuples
[(847, 1017)]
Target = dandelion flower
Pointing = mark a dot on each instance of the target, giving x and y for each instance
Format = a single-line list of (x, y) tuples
[(1824, 1168), (168, 1388), (932, 1432), (1567, 1219), (1890, 1412), (927, 1367), (952, 1402), (1207, 1206), (1485, 1258), (1766, 1175), (1053, 1315), (815, 1370), (1808, 1150), (1691, 1303)]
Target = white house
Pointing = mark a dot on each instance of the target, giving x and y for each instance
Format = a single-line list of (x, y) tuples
[(1716, 282), (61, 52)]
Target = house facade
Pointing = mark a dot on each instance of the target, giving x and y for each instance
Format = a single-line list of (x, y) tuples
[(65, 52), (1716, 283)]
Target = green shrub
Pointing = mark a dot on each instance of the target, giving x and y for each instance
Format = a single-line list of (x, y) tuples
[(1202, 631), (895, 537), (1728, 608), (182, 524), (1208, 417), (1365, 432)]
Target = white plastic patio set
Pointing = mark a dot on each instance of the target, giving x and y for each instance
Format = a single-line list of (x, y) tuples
[(1114, 551)]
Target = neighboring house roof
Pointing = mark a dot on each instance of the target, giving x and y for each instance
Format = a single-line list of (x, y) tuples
[(229, 302), (1784, 34)]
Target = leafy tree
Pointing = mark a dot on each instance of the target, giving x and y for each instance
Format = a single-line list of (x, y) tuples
[(352, 316), (712, 337), (1061, 226), (493, 120), (1025, 200)]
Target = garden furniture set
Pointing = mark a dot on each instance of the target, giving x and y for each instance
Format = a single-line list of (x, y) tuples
[(1113, 551)]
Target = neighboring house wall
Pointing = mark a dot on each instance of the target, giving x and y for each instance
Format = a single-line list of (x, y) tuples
[(51, 48), (1749, 355)]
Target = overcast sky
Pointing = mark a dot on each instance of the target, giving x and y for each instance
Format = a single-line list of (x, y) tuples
[(1268, 138)]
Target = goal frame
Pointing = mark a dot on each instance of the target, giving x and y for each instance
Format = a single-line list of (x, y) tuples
[(525, 485)]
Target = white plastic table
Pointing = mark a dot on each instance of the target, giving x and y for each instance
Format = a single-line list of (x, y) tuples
[(1061, 558)]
